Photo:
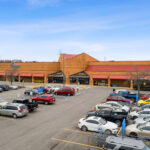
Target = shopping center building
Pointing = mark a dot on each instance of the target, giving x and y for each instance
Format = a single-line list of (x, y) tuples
[(76, 69)]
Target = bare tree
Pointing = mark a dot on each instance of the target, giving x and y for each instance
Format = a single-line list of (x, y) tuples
[(10, 73), (137, 77)]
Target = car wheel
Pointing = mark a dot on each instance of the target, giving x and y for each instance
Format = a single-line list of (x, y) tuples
[(108, 132), (34, 101), (46, 102), (118, 122), (132, 134), (14, 116), (26, 93), (84, 128), (69, 94)]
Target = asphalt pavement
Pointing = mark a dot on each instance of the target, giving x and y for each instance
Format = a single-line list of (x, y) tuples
[(50, 127)]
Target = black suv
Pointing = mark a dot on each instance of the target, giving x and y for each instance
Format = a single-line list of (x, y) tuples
[(31, 106), (110, 115), (5, 87)]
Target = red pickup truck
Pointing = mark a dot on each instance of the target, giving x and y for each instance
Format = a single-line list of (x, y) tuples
[(45, 98)]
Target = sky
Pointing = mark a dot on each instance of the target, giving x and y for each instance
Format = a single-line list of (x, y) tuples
[(39, 30)]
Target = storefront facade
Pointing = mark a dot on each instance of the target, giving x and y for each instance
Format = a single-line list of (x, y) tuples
[(77, 69)]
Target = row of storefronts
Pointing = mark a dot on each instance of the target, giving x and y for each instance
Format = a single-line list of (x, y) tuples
[(78, 78), (77, 69)]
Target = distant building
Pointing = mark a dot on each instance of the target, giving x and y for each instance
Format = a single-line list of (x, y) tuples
[(77, 69)]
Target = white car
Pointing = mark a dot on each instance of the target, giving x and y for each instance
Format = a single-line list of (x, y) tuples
[(2, 102), (120, 90), (97, 124), (118, 105), (142, 120), (13, 87), (142, 113), (106, 105)]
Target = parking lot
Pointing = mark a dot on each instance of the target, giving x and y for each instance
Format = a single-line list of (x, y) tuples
[(50, 126)]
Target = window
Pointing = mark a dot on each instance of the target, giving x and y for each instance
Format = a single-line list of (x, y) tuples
[(11, 107), (92, 121), (44, 96), (146, 128), (22, 107)]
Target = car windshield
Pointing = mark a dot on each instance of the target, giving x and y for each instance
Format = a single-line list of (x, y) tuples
[(139, 126), (146, 119), (22, 107), (1, 100), (103, 121)]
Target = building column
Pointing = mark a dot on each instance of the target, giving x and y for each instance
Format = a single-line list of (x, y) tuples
[(67, 80), (6, 78), (32, 79), (131, 84), (18, 78), (109, 82), (91, 81), (45, 79)]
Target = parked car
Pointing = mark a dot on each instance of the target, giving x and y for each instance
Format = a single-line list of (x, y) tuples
[(14, 110), (5, 87), (143, 102), (45, 98), (124, 143), (118, 105), (65, 91), (142, 120), (2, 102), (31, 106), (52, 87), (110, 115), (97, 123), (105, 105), (118, 98), (138, 108), (127, 94), (44, 90), (120, 90), (112, 104), (138, 130), (31, 92), (1, 90), (142, 113), (144, 97), (13, 87)]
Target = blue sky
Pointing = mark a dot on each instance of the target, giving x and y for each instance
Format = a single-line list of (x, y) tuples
[(105, 29)]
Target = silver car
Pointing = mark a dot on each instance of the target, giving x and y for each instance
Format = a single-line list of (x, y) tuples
[(139, 130), (14, 110), (142, 120)]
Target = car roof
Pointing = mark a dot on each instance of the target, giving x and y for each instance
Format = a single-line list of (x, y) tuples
[(14, 104), (125, 141), (20, 99), (47, 95), (94, 118), (147, 109), (112, 102)]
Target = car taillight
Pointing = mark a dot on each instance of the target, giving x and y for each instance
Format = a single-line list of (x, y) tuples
[(127, 118), (95, 108), (79, 122), (20, 110)]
